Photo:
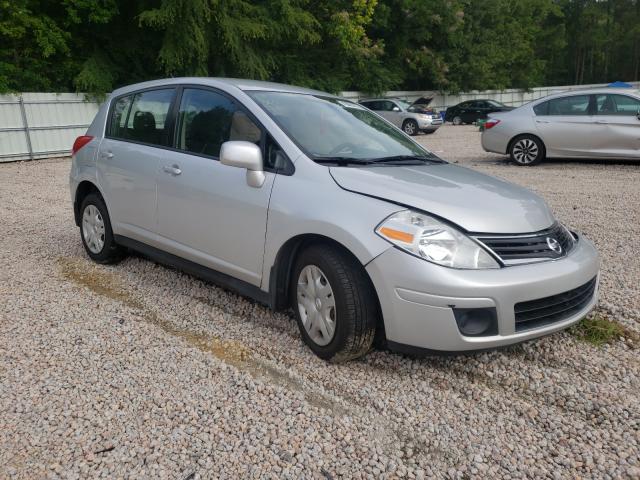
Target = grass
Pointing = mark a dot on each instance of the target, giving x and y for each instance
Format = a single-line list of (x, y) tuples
[(599, 330)]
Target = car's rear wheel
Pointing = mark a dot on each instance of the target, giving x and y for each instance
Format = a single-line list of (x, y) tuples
[(334, 303), (527, 150), (96, 233), (457, 120), (410, 127)]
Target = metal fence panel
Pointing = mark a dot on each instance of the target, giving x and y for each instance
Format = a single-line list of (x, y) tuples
[(38, 125)]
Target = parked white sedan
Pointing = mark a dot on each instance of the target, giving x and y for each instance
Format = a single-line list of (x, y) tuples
[(600, 123)]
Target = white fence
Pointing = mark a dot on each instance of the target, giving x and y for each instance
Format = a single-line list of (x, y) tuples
[(40, 125)]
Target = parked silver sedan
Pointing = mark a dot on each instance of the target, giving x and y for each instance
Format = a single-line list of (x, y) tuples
[(598, 123), (411, 119)]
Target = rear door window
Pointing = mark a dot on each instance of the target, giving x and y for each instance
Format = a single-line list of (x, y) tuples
[(207, 119), (570, 106)]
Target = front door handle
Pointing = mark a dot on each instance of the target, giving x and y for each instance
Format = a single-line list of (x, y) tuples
[(173, 170), (542, 121), (601, 122)]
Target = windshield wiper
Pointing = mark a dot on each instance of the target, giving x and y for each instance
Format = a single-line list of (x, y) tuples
[(344, 160), (407, 158)]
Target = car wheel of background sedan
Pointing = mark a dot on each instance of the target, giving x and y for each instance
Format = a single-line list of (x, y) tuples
[(334, 303), (410, 127), (457, 120), (96, 233), (527, 150)]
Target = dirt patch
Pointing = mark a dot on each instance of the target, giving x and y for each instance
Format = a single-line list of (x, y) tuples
[(103, 282)]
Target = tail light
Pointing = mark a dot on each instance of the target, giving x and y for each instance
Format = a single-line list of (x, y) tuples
[(491, 123), (80, 142)]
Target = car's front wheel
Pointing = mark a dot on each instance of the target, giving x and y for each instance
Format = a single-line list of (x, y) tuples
[(334, 303), (410, 127), (527, 150), (96, 233)]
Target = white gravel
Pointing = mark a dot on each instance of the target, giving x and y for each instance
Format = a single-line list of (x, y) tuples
[(140, 371)]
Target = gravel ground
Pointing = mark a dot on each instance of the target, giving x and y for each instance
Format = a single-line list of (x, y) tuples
[(140, 371)]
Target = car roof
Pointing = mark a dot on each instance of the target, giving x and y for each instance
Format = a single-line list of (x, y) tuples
[(376, 99), (591, 91), (241, 84)]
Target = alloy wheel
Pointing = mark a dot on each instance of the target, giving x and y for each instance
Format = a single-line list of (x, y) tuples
[(409, 128), (317, 305), (525, 151)]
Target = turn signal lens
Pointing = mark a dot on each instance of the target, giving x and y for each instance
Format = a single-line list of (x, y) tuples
[(392, 234)]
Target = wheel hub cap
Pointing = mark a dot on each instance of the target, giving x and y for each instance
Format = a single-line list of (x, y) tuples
[(525, 151), (316, 305), (93, 229)]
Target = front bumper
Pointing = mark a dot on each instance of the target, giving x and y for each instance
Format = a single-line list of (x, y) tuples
[(417, 297), (429, 125)]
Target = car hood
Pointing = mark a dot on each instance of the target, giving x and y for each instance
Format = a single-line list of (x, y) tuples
[(423, 101), (474, 201)]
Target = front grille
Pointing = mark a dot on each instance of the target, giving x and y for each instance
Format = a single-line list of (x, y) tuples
[(514, 249), (544, 311)]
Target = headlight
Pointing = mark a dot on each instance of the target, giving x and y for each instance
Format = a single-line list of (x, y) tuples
[(425, 116), (435, 241)]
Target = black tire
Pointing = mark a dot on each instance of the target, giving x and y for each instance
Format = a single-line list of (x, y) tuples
[(111, 252), (457, 120), (356, 305), (527, 150), (410, 127)]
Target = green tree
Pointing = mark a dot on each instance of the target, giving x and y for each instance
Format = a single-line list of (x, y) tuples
[(367, 45)]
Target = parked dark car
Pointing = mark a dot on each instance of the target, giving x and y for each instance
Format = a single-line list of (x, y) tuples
[(473, 110)]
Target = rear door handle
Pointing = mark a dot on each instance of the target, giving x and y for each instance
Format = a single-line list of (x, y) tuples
[(173, 170), (601, 122), (542, 121), (107, 154)]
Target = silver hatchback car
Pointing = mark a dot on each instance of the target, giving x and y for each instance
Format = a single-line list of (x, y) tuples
[(297, 198), (599, 123)]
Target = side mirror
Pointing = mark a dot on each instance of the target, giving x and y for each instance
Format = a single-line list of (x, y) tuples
[(396, 109), (246, 155)]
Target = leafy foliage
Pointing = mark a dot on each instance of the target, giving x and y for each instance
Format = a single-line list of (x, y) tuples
[(368, 45), (600, 330)]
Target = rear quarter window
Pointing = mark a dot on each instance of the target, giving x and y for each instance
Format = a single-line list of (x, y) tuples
[(142, 117), (541, 108), (119, 117)]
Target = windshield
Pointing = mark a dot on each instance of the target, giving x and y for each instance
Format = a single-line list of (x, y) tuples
[(404, 105), (327, 128)]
